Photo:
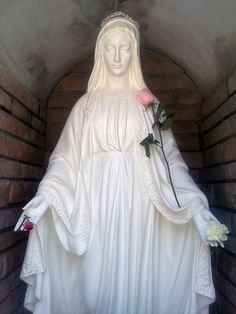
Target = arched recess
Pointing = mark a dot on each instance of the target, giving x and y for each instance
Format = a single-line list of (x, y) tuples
[(167, 81)]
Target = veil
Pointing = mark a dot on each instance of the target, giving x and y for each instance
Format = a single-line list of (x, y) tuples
[(98, 76)]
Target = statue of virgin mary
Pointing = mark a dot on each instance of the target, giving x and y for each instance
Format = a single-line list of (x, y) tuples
[(108, 237)]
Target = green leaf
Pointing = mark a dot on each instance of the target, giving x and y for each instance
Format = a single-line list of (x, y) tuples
[(148, 140), (151, 104), (146, 143), (157, 114), (147, 150), (169, 115), (167, 124)]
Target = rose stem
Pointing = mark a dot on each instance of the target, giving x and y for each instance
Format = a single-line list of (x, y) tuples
[(167, 164)]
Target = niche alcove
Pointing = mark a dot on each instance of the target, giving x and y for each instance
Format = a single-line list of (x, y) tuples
[(189, 65)]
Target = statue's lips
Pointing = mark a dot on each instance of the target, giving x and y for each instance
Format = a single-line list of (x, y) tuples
[(116, 66)]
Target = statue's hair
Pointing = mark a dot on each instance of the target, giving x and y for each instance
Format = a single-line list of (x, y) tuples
[(98, 76)]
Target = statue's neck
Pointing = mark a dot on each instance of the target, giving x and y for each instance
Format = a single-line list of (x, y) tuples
[(117, 83)]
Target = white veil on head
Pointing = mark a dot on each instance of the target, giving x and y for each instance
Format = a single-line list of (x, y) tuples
[(118, 22)]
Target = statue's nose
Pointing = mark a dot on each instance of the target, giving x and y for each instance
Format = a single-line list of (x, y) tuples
[(117, 55)]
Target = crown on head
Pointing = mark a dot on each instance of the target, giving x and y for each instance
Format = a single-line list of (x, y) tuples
[(119, 14)]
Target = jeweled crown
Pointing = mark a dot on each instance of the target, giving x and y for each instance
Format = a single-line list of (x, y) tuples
[(118, 14)]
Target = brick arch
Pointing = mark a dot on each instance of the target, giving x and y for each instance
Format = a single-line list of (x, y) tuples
[(167, 81)]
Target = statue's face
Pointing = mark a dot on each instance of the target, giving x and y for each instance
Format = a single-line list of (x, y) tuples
[(117, 53)]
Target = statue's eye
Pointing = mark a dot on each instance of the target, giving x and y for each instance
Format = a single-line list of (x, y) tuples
[(126, 48), (109, 48)]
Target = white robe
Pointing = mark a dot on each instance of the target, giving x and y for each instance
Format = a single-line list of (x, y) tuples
[(114, 241)]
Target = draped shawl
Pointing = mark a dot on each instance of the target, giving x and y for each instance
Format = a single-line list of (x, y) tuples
[(65, 190)]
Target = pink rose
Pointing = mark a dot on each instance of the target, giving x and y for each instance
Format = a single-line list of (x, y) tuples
[(28, 226), (145, 97)]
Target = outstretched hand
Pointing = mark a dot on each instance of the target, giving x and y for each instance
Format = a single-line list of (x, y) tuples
[(210, 229), (32, 212)]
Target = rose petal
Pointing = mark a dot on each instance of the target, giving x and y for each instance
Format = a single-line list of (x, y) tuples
[(28, 226), (145, 97)]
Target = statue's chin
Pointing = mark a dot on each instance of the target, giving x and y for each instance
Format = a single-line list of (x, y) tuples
[(118, 70)]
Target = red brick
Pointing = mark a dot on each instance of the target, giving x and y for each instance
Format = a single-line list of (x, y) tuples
[(183, 113), (226, 306), (12, 125), (21, 191), (156, 64), (220, 114), (83, 67), (38, 124), (15, 88), (9, 217), (53, 134), (215, 308), (9, 283), (14, 148), (73, 83), (190, 128), (227, 264), (222, 131), (230, 245), (193, 160), (226, 288), (188, 98), (167, 97), (15, 169), (223, 152), (21, 112), (188, 143), (55, 128), (13, 301), (215, 100), (5, 100), (194, 174), (57, 115), (42, 110), (63, 99), (46, 157), (221, 172), (10, 238), (222, 194), (4, 192), (177, 82), (11, 259)]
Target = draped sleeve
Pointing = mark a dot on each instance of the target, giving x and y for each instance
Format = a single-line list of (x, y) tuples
[(157, 180), (64, 180)]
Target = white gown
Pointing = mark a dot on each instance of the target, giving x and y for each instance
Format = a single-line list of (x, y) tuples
[(128, 258)]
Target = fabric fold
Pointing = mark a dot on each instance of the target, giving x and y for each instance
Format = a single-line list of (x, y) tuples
[(113, 226)]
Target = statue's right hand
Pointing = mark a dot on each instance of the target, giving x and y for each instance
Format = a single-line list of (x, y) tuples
[(33, 211)]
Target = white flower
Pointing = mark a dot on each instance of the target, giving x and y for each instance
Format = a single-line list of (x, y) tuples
[(216, 232)]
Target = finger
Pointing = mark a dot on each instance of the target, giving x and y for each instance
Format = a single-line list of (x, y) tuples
[(213, 243), (212, 217), (19, 222), (221, 244), (28, 204), (34, 202), (40, 210), (22, 228)]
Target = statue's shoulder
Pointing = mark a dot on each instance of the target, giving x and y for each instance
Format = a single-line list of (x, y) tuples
[(81, 102), (80, 107)]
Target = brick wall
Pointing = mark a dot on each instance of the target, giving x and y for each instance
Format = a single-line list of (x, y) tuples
[(166, 80), (22, 143), (218, 129)]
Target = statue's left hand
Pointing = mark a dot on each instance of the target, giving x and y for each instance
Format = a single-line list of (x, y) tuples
[(205, 219)]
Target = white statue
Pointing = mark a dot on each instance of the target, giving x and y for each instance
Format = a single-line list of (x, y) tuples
[(108, 236)]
